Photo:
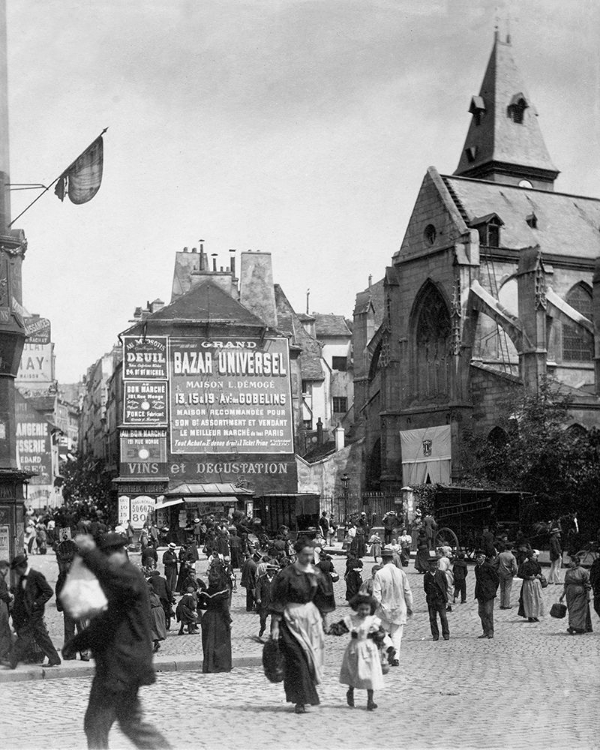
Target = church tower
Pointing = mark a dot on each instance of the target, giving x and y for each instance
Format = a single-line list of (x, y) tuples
[(504, 142)]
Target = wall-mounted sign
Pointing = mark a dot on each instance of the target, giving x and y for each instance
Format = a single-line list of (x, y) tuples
[(145, 358), (145, 402), (36, 364), (38, 330), (34, 448), (143, 452), (123, 509), (230, 396)]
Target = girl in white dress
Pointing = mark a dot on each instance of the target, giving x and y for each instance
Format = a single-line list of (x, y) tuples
[(361, 665)]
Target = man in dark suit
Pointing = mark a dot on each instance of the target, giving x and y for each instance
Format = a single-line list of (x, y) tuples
[(435, 584), (31, 594), (486, 586), (121, 643)]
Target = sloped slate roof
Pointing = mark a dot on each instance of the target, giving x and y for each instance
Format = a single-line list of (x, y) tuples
[(207, 302), (498, 138), (331, 325), (371, 295), (288, 322), (566, 224)]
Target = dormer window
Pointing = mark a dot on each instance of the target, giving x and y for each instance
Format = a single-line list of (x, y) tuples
[(532, 220), (516, 108), (477, 109), (489, 229)]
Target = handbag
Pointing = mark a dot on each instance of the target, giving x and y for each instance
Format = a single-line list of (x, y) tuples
[(335, 576), (543, 581), (558, 610), (272, 661), (82, 596)]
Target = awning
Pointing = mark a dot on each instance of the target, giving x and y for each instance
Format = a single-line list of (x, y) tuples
[(168, 504), (139, 480), (206, 499), (216, 490)]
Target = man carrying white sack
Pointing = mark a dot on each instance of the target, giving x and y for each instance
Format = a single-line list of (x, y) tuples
[(120, 639)]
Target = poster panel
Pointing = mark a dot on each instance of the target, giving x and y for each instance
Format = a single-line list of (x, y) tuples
[(36, 363), (141, 508), (145, 402), (230, 396), (143, 452), (145, 357)]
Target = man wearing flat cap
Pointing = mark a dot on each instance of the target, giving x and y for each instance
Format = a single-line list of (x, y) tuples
[(121, 643), (31, 594)]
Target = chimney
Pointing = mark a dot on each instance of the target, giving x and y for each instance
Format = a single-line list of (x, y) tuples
[(257, 292), (232, 262), (214, 257), (370, 279), (319, 431), (339, 436)]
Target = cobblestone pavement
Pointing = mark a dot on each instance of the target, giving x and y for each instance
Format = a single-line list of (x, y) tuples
[(533, 686)]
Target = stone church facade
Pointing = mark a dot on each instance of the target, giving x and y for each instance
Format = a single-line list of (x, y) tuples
[(495, 287)]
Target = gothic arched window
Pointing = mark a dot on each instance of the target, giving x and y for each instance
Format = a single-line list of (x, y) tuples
[(432, 341), (578, 344)]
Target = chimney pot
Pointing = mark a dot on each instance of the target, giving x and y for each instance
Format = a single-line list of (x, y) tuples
[(194, 249), (185, 249), (214, 263)]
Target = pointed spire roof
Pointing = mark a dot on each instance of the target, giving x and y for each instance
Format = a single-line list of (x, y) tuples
[(504, 142)]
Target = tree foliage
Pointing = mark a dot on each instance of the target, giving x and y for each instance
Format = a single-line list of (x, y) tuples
[(535, 451)]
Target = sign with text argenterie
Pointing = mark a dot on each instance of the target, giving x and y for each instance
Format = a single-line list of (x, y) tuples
[(230, 396), (145, 357), (145, 402)]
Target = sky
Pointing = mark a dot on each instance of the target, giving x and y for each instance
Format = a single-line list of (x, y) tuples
[(299, 127)]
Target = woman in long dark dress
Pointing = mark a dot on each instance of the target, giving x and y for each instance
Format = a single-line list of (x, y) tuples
[(422, 558), (577, 590), (531, 601), (216, 621), (300, 597)]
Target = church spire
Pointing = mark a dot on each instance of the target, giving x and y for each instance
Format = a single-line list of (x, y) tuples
[(504, 142)]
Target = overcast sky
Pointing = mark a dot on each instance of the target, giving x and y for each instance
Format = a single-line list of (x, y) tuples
[(299, 127)]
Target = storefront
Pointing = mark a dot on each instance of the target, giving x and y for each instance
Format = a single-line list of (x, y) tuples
[(185, 502)]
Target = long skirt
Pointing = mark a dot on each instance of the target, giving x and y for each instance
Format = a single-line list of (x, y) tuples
[(159, 625), (361, 666), (579, 609), (216, 641), (302, 644), (422, 560), (531, 602)]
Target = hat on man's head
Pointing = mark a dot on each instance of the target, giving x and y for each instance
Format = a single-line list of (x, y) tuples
[(172, 545), (387, 552), (112, 540), (18, 561)]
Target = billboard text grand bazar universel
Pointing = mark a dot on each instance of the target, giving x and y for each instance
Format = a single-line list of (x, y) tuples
[(230, 396)]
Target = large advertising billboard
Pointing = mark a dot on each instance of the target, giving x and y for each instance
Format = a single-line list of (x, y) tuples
[(230, 396), (145, 402), (34, 442)]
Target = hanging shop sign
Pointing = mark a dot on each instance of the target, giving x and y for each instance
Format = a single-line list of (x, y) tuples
[(145, 357), (230, 396), (145, 402)]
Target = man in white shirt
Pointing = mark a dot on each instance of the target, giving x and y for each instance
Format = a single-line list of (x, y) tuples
[(392, 593)]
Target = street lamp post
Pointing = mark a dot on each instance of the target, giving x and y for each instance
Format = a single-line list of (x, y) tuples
[(345, 479)]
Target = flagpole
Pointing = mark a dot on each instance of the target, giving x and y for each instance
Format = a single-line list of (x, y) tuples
[(55, 181)]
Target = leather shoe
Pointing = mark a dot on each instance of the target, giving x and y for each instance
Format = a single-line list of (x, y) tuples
[(53, 663), (395, 663), (482, 636), (446, 637)]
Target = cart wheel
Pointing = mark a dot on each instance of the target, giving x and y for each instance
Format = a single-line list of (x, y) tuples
[(446, 538)]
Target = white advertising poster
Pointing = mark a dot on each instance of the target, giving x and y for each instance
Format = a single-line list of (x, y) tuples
[(141, 508), (123, 508), (36, 364), (4, 542)]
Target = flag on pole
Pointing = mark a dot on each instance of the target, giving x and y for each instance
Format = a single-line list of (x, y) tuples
[(81, 181)]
